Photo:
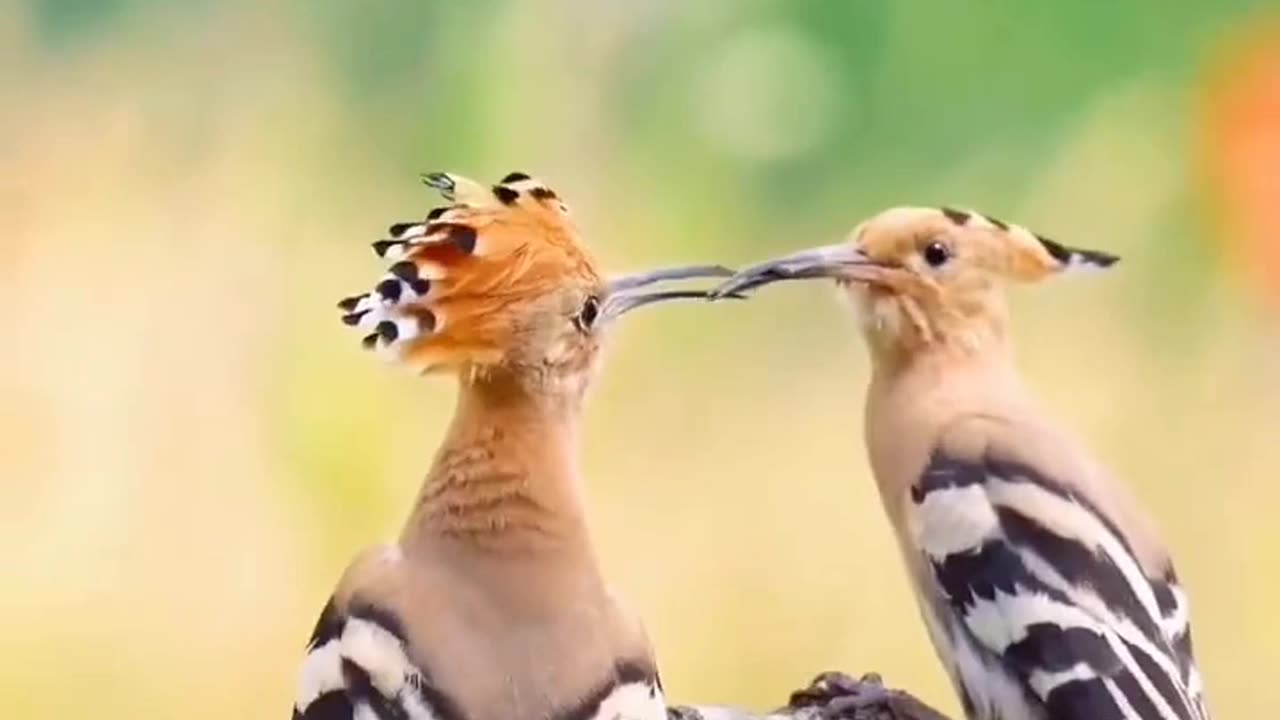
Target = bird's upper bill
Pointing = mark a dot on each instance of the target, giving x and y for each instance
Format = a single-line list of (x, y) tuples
[(500, 268), (912, 250)]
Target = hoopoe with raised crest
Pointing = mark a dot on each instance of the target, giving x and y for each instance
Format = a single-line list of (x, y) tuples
[(1042, 584), (491, 605)]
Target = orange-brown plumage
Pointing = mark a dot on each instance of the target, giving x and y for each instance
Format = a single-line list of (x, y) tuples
[(464, 276)]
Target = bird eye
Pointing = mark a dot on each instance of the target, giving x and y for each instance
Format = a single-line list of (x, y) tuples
[(586, 316), (936, 254)]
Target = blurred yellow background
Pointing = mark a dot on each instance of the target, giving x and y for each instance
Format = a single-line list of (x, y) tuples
[(193, 447)]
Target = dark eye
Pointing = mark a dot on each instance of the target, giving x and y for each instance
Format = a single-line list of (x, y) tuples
[(936, 254), (586, 317)]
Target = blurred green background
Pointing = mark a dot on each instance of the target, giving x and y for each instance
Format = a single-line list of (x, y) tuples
[(193, 447)]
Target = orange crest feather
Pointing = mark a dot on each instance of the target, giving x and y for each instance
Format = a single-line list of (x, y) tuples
[(447, 299)]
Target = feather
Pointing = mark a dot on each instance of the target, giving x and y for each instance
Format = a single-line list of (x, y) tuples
[(442, 301), (357, 666), (1047, 590)]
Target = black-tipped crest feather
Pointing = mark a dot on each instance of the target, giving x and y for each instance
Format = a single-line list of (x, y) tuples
[(1070, 256)]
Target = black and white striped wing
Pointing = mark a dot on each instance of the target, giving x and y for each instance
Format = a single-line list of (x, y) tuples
[(357, 668), (1043, 605), (1175, 622)]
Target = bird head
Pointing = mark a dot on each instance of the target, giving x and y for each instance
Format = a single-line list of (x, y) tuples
[(927, 276), (499, 281)]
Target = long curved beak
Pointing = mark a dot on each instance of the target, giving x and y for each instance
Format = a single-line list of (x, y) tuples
[(831, 261), (625, 293)]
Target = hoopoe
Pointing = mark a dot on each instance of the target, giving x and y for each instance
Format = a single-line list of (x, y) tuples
[(1043, 586), (491, 605)]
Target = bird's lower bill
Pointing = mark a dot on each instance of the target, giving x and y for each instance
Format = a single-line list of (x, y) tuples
[(626, 294)]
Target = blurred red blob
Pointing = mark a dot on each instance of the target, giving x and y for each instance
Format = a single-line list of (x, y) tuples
[(1240, 151)]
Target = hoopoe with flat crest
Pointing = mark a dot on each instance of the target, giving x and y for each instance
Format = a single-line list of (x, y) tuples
[(1043, 586), (491, 605)]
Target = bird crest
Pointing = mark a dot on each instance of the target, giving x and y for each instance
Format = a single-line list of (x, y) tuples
[(936, 242), (1027, 255), (458, 276)]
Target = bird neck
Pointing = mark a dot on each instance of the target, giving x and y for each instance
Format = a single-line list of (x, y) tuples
[(964, 375), (906, 334), (960, 351), (505, 479), (914, 397)]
